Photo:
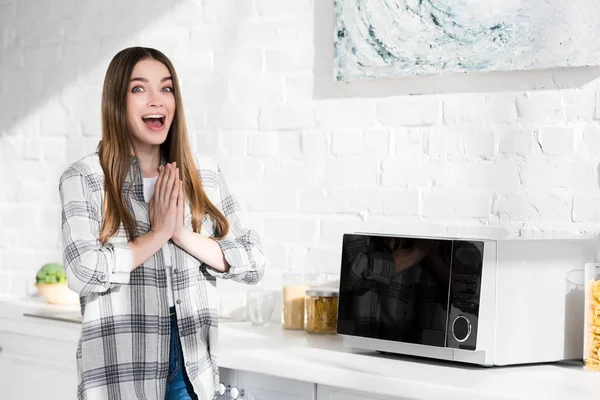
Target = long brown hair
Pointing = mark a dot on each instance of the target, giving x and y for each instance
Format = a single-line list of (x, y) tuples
[(117, 145)]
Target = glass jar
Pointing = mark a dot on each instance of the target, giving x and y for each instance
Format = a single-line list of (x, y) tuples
[(591, 346), (574, 311), (295, 285), (260, 305), (321, 310)]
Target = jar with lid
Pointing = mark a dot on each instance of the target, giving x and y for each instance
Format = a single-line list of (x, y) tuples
[(591, 356), (321, 310), (295, 285)]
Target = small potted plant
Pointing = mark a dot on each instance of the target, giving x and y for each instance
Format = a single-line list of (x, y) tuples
[(51, 283)]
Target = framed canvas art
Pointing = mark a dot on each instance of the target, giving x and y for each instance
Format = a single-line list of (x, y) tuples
[(392, 38)]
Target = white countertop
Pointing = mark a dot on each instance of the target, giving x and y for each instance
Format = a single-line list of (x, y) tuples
[(323, 359)]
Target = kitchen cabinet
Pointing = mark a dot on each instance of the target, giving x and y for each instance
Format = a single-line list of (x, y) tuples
[(228, 379), (252, 386), (37, 368), (334, 393), (265, 387), (243, 385)]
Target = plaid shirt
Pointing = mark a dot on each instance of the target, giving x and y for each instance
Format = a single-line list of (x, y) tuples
[(123, 351)]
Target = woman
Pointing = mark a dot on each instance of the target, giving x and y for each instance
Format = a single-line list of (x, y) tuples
[(147, 227)]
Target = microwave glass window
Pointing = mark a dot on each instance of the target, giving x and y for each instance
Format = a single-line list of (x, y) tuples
[(401, 289)]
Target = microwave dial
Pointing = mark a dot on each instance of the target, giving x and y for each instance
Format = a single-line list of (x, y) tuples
[(461, 328)]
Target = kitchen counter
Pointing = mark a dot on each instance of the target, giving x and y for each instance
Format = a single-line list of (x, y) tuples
[(323, 359)]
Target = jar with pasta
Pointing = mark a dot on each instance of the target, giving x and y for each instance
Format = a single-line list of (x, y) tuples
[(591, 344), (321, 310)]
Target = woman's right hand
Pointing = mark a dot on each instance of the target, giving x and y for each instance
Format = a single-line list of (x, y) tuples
[(163, 204)]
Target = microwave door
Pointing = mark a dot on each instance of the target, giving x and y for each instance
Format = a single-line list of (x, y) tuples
[(396, 289), (434, 282)]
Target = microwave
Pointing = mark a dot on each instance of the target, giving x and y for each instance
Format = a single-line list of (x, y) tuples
[(477, 301)]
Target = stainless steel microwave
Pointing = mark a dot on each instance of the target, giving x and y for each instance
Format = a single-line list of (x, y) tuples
[(487, 302)]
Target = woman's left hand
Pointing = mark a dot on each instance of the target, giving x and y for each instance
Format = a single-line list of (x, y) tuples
[(179, 222)]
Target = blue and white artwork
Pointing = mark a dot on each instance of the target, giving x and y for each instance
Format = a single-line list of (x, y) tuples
[(390, 38)]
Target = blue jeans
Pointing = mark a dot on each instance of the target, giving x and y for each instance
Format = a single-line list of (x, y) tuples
[(178, 383)]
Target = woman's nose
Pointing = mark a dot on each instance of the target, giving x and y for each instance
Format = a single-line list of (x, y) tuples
[(154, 99)]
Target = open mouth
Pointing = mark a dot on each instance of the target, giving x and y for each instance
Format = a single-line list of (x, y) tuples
[(154, 121)]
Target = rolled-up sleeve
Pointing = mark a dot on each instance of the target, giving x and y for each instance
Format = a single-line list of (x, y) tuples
[(90, 266), (241, 247), (370, 269)]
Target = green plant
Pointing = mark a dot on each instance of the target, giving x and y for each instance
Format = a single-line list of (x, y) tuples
[(51, 273)]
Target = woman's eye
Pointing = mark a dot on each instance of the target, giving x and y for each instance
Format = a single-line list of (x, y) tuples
[(168, 89), (137, 89)]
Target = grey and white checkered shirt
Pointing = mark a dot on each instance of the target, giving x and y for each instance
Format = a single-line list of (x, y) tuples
[(123, 351)]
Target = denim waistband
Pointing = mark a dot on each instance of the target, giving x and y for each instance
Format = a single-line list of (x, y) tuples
[(172, 311)]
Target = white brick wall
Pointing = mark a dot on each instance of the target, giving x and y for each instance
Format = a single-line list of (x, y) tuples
[(308, 157)]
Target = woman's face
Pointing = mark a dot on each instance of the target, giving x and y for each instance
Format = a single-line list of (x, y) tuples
[(150, 103)]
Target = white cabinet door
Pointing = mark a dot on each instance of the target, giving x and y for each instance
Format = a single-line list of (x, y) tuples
[(37, 368), (228, 378), (263, 387), (333, 393)]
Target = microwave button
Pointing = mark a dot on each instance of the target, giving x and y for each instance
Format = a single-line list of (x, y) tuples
[(461, 328)]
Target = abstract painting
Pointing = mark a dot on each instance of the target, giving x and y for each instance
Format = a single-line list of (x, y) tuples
[(392, 38)]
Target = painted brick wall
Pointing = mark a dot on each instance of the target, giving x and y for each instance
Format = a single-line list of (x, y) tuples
[(506, 154)]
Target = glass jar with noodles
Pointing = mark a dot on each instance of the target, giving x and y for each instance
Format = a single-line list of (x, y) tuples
[(591, 356), (321, 310)]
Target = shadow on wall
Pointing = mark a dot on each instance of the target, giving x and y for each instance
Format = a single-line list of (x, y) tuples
[(47, 45), (325, 85)]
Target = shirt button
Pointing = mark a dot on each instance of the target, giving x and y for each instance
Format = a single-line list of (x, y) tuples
[(178, 302), (175, 270)]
